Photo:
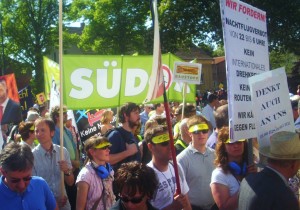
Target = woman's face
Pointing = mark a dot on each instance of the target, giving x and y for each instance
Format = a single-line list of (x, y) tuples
[(100, 156), (135, 202), (235, 150)]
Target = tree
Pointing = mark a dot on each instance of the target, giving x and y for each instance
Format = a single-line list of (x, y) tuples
[(185, 22), (283, 24), (30, 31), (112, 26)]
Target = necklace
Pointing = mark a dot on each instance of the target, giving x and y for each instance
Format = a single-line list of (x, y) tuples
[(172, 188)]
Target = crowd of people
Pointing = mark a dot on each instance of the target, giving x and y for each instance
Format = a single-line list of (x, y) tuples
[(129, 165)]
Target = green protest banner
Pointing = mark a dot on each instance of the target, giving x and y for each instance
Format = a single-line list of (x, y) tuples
[(99, 81), (51, 71)]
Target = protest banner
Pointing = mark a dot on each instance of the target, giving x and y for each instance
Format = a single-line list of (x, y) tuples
[(51, 71), (26, 99), (271, 104), (246, 50), (187, 72), (93, 82)]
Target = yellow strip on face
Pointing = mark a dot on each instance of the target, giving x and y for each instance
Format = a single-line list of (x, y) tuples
[(198, 127), (102, 145), (230, 141), (161, 138)]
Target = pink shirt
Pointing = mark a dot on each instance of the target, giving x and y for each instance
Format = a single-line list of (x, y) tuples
[(88, 175)]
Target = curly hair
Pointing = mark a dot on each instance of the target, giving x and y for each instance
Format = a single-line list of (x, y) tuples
[(136, 177), (54, 114), (24, 129), (126, 109), (221, 153), (154, 131)]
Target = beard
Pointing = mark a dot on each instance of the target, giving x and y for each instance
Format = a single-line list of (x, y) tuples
[(132, 124)]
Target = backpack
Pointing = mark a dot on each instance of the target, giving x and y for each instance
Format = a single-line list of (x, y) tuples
[(121, 131)]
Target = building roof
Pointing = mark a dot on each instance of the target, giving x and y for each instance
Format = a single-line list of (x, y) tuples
[(218, 60), (191, 53)]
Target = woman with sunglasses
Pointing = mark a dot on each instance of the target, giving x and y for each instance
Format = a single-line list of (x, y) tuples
[(94, 181), (136, 184), (231, 162)]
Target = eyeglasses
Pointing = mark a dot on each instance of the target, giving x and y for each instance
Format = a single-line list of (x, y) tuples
[(132, 200), (25, 179), (200, 131)]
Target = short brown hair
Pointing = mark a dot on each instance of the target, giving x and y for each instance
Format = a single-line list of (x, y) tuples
[(154, 131)]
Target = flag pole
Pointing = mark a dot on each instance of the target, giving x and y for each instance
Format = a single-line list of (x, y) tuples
[(61, 124), (166, 103)]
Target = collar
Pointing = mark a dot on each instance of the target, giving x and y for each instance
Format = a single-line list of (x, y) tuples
[(205, 154), (9, 193), (45, 152), (5, 103), (279, 174)]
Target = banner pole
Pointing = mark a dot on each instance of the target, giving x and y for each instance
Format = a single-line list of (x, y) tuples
[(62, 185)]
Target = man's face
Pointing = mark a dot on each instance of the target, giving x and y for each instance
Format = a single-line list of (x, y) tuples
[(43, 133), (161, 151), (134, 118), (3, 92), (17, 181), (161, 108)]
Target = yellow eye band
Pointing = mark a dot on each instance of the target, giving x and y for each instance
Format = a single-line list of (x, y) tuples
[(198, 127), (230, 141), (102, 145), (31, 128), (161, 138)]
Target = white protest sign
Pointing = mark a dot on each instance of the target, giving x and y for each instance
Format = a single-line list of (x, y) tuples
[(187, 72), (271, 104), (246, 50)]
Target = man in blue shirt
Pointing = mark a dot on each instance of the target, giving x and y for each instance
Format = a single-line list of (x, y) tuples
[(18, 189)]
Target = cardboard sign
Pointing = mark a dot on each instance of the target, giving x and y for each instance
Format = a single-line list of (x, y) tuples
[(246, 50), (271, 104)]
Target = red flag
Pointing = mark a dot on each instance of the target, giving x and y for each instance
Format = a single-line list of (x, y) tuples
[(156, 80)]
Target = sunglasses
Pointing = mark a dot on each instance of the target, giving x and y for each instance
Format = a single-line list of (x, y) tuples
[(103, 148), (200, 131), (25, 179), (132, 200), (164, 144)]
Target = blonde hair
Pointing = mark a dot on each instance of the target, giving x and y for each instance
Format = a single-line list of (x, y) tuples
[(105, 116), (90, 143)]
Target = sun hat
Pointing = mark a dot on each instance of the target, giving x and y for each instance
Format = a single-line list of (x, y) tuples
[(284, 145), (32, 115)]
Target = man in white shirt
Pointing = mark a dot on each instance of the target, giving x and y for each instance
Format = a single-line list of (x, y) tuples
[(208, 110), (158, 142)]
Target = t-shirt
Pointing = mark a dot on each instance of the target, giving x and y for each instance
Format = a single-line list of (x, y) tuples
[(36, 196), (88, 175), (218, 176), (208, 113), (167, 186), (118, 138)]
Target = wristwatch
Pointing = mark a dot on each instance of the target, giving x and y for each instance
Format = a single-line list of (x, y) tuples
[(68, 173)]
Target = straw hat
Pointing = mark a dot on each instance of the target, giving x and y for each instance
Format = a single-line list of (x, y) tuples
[(285, 145)]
